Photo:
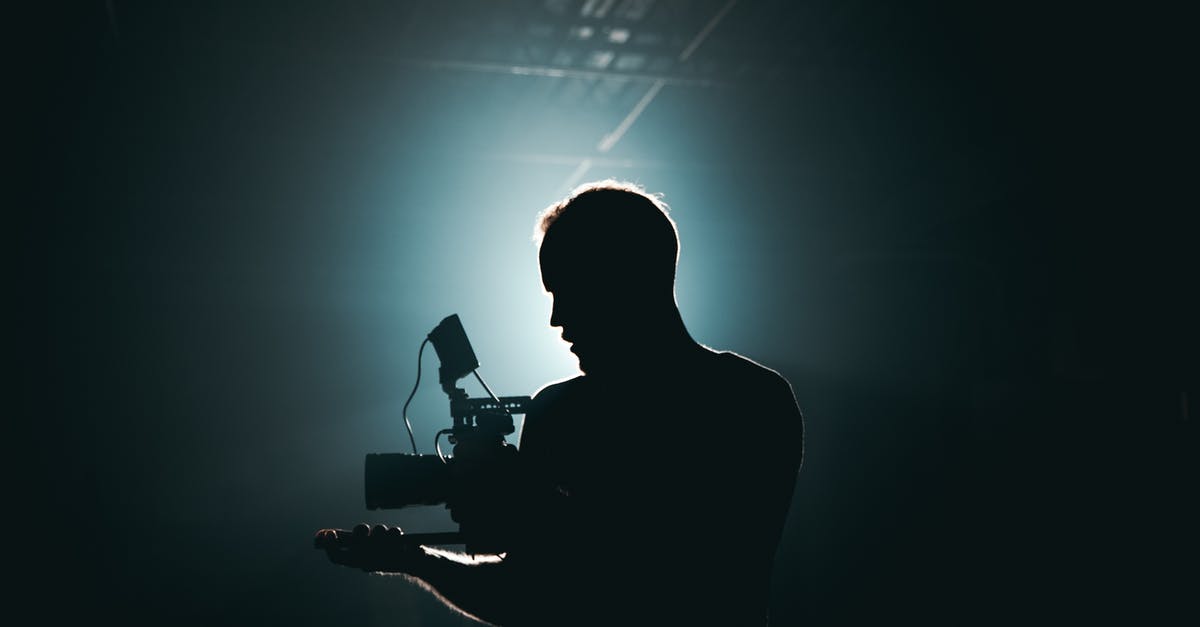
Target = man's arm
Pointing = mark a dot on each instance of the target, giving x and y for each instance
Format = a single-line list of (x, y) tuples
[(480, 587), (476, 586), (487, 588)]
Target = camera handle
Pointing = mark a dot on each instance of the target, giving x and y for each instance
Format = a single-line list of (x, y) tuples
[(462, 408), (404, 541)]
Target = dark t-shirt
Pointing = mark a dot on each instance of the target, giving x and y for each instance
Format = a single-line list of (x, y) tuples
[(669, 492)]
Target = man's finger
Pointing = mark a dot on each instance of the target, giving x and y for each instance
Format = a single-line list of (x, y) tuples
[(325, 538)]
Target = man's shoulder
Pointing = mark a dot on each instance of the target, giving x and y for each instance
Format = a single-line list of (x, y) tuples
[(746, 371), (711, 369), (556, 391), (768, 395)]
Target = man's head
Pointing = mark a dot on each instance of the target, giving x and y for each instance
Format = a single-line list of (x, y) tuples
[(608, 254)]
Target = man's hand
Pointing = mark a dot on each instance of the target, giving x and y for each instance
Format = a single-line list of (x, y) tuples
[(373, 549)]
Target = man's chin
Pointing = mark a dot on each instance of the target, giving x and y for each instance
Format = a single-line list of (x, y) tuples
[(588, 364), (595, 365)]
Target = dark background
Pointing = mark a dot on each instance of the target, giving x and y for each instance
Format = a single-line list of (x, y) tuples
[(962, 233)]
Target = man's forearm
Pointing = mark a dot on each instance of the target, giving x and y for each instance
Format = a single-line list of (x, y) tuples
[(478, 586)]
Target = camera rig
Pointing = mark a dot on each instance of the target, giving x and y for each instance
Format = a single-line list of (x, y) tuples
[(397, 480)]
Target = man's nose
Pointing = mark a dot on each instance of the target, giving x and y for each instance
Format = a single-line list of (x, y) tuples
[(555, 313)]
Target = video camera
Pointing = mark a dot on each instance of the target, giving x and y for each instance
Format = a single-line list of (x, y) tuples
[(397, 480)]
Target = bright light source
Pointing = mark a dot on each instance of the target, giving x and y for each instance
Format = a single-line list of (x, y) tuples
[(618, 35)]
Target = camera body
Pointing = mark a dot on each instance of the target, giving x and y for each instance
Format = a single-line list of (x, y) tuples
[(474, 471), (396, 480)]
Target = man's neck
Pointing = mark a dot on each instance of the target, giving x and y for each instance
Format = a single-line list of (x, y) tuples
[(660, 350)]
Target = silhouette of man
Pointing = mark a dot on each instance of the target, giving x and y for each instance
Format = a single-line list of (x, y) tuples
[(652, 488)]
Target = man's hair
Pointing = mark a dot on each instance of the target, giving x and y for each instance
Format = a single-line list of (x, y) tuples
[(613, 227)]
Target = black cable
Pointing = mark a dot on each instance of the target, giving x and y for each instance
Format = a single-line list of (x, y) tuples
[(408, 424)]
